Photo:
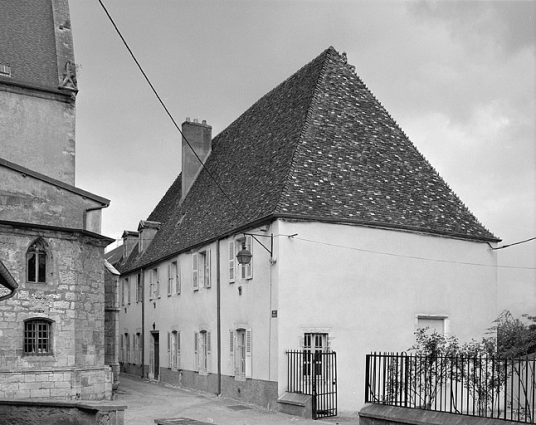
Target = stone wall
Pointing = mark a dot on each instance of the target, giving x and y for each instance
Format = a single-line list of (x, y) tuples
[(14, 412), (377, 414), (27, 199), (72, 300)]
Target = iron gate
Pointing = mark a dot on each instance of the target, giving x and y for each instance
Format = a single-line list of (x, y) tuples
[(314, 373)]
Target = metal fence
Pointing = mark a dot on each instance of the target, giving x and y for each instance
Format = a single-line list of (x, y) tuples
[(314, 373), (476, 386)]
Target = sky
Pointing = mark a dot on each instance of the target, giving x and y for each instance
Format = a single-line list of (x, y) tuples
[(459, 77)]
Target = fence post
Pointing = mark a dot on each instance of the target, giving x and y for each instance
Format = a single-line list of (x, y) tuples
[(367, 378)]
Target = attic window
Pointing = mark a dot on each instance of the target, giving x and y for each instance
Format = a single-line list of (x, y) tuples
[(5, 70)]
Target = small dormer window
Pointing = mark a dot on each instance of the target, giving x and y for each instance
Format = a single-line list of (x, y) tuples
[(5, 70), (36, 262)]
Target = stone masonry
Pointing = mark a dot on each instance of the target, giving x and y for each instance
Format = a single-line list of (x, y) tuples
[(73, 299)]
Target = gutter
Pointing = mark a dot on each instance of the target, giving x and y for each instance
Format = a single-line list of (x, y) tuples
[(54, 182), (272, 217), (18, 224), (9, 281)]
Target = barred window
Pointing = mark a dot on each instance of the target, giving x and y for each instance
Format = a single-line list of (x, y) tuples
[(37, 337)]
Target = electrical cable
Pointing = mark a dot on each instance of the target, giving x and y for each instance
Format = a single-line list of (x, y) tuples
[(168, 113), (411, 256), (238, 209)]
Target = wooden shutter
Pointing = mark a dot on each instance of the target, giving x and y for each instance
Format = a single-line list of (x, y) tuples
[(232, 261), (170, 279), (209, 349), (195, 261), (178, 277), (196, 351), (169, 348), (248, 353), (157, 278), (207, 269), (178, 350), (231, 353), (249, 267)]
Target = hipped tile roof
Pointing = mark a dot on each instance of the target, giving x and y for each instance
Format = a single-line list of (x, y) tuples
[(319, 146)]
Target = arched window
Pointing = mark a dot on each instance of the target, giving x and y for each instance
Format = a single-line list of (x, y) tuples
[(36, 262), (38, 337)]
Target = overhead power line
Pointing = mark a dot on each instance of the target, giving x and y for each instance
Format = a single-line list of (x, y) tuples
[(168, 113), (231, 202), (414, 257)]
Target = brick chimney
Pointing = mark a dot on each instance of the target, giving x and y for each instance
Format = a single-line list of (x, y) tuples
[(147, 231), (130, 239), (200, 138)]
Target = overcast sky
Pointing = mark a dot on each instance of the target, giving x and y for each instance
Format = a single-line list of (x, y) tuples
[(458, 77)]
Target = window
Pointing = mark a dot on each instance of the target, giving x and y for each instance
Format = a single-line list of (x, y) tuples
[(123, 291), (36, 262), (127, 283), (232, 261), (154, 284), (201, 269), (240, 353), (139, 288), (246, 270), (174, 344), (178, 279), (314, 344), (173, 279), (202, 349), (121, 359), (37, 337), (433, 323), (5, 70), (137, 348), (127, 351)]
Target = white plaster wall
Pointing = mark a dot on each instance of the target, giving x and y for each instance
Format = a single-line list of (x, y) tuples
[(190, 311), (253, 308), (367, 286)]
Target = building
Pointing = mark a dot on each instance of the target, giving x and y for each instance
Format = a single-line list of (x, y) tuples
[(356, 241), (51, 251)]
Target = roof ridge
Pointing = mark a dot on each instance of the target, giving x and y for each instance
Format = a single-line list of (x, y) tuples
[(310, 112)]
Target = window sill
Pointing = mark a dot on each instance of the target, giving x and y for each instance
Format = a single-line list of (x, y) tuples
[(33, 356), (240, 378)]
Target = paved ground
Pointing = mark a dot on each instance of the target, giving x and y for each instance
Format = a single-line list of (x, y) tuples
[(148, 401)]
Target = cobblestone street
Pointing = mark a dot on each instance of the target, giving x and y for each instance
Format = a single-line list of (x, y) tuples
[(148, 401)]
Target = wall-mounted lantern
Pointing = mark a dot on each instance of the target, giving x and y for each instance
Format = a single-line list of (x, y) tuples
[(244, 255)]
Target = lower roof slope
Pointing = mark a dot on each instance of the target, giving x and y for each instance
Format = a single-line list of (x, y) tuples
[(319, 146)]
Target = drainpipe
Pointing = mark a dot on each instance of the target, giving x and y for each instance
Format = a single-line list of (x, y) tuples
[(142, 279), (218, 313)]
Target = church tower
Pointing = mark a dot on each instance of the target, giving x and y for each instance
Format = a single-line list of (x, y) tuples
[(38, 87)]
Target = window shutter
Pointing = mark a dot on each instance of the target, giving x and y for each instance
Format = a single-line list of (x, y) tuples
[(194, 271), (170, 279), (178, 277), (157, 278), (232, 261), (209, 349), (196, 351), (178, 350), (169, 348), (249, 267), (231, 354), (248, 353), (207, 268)]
